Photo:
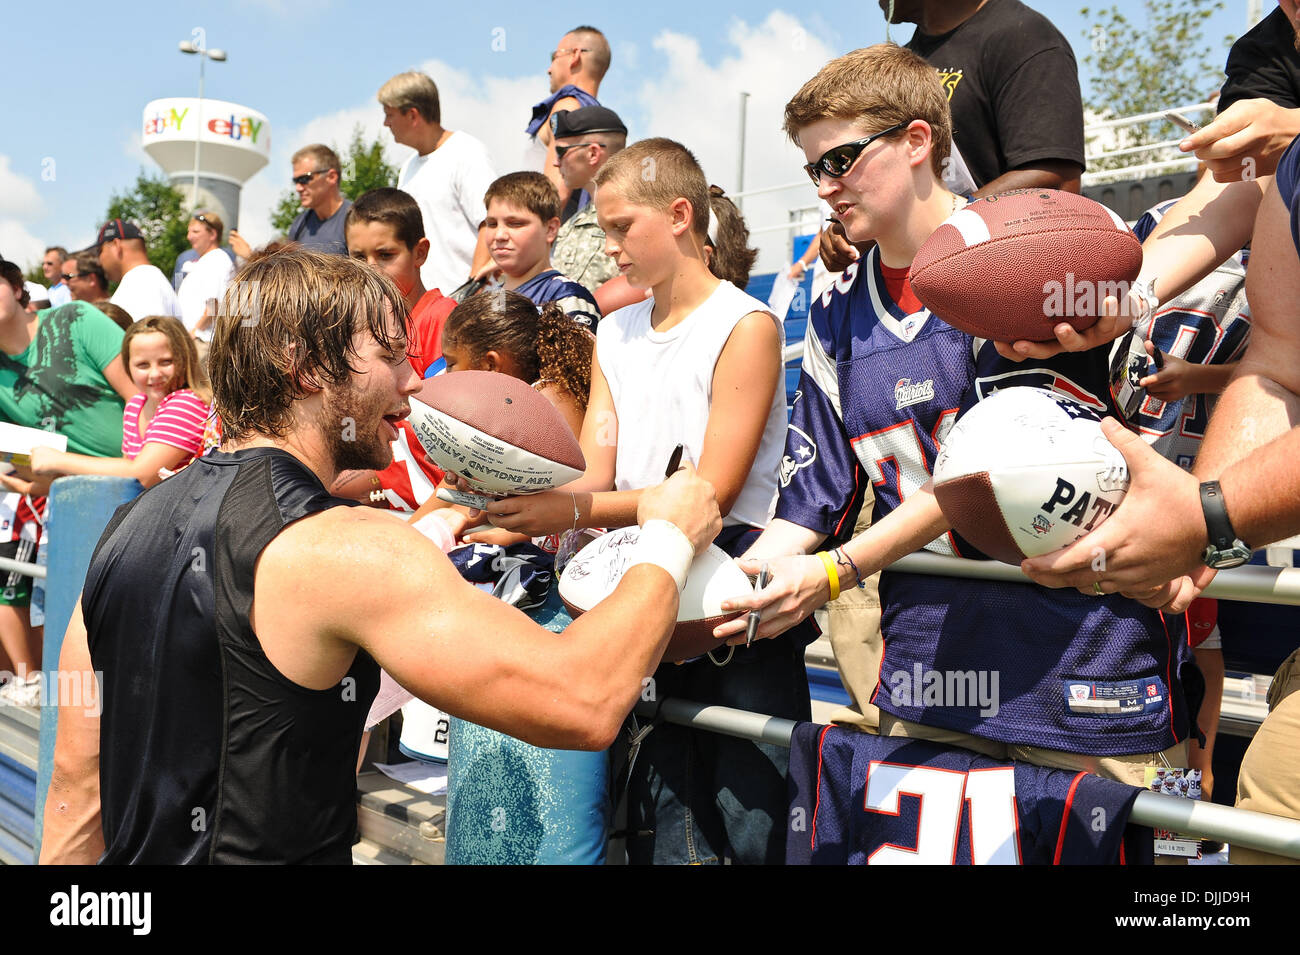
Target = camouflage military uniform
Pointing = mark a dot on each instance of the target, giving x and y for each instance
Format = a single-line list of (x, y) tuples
[(579, 250)]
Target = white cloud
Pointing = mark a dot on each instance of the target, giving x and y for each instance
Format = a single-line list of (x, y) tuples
[(19, 198), (18, 245), (681, 96), (20, 203), (493, 109), (698, 103)]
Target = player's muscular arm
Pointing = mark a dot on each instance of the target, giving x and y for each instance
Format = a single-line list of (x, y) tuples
[(430, 629), (73, 831), (1045, 173)]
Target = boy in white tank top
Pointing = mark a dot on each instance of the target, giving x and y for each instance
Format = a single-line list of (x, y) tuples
[(698, 364)]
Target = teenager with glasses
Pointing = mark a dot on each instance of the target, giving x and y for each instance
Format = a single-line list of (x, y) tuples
[(883, 381), (324, 208)]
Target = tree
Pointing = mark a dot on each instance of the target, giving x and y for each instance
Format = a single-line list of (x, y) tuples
[(159, 210), (364, 168), (1146, 67)]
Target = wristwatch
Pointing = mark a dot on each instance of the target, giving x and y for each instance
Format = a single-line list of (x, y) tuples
[(1225, 549)]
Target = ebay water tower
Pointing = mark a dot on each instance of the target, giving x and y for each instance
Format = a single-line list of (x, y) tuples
[(231, 143), (208, 147)]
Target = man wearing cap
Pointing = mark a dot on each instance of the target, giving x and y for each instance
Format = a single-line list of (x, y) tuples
[(584, 139), (142, 288)]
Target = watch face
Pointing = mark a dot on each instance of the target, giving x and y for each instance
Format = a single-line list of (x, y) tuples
[(1233, 556)]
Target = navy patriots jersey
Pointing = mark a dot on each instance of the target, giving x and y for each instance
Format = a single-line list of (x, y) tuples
[(879, 391), (552, 286), (860, 799), (1209, 324)]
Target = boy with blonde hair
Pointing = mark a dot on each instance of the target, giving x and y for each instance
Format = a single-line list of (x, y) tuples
[(699, 364)]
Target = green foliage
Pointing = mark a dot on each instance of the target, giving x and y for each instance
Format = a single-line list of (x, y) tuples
[(364, 168), (36, 274), (1158, 60), (159, 210)]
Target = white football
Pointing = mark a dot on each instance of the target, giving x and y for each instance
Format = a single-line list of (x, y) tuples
[(596, 570), (1027, 471)]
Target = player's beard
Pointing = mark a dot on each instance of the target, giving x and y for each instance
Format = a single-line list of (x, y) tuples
[(351, 423)]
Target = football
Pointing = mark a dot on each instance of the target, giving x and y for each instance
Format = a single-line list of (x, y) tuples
[(1026, 472), (1011, 267), (496, 432), (595, 571)]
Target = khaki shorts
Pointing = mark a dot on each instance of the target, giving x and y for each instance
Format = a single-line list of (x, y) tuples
[(1269, 780), (854, 630)]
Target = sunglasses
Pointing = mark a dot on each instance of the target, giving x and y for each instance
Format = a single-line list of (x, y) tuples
[(68, 278), (561, 150), (562, 52), (301, 180), (837, 161)]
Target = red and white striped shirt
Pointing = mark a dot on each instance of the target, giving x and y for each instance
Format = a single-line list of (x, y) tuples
[(178, 422)]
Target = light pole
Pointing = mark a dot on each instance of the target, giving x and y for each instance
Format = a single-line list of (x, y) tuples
[(198, 45)]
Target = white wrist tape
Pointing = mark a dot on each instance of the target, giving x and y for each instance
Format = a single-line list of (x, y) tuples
[(436, 529), (663, 544)]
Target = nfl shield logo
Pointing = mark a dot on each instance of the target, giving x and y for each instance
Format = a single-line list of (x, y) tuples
[(1079, 691)]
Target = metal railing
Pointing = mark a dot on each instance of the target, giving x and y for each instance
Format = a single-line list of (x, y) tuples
[(1238, 827)]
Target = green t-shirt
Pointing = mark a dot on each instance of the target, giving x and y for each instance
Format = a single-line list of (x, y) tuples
[(58, 383)]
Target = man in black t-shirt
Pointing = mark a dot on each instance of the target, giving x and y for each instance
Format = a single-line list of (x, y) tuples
[(1259, 105), (1013, 86)]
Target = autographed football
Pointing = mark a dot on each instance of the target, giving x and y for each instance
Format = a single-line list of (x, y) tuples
[(1011, 267), (596, 570), (495, 431), (1027, 471)]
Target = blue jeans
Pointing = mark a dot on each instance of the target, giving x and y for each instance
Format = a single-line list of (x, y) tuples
[(697, 797)]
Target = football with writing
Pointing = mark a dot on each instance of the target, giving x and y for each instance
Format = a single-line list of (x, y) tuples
[(1027, 471), (1011, 267), (596, 570), (496, 432)]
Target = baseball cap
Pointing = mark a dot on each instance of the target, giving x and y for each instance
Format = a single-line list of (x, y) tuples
[(117, 229), (588, 119)]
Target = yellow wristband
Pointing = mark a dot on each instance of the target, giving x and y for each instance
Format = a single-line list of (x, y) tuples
[(832, 574)]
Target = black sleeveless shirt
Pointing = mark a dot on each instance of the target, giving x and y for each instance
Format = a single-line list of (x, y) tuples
[(207, 752)]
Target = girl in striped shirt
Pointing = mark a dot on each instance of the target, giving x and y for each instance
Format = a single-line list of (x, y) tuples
[(162, 426)]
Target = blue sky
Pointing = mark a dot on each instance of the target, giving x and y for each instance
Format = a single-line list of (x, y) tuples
[(313, 68)]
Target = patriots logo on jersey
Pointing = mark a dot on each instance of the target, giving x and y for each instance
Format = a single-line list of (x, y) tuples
[(804, 450), (907, 392)]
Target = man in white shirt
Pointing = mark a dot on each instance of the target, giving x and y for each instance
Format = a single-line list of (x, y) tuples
[(208, 277), (448, 177), (52, 265), (142, 288)]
